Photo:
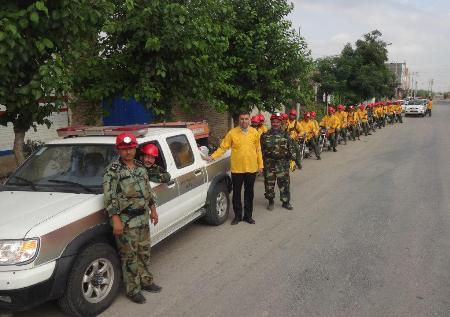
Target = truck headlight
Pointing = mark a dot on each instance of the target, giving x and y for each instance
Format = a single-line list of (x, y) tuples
[(17, 251)]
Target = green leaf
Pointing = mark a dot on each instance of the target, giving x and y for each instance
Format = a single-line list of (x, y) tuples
[(40, 6), (47, 43), (23, 23), (11, 28), (152, 44), (34, 17), (40, 46), (2, 36)]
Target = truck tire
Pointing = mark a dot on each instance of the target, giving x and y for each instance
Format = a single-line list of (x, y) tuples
[(218, 205), (87, 291)]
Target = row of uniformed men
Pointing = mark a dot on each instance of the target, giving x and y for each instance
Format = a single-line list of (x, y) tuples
[(130, 202)]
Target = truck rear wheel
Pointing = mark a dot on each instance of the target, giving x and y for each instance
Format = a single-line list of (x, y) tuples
[(93, 282), (218, 205)]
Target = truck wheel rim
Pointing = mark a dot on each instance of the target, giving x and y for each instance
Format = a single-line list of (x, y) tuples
[(221, 204), (98, 280)]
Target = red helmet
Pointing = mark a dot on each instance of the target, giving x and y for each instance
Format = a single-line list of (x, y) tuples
[(362, 107), (331, 110), (341, 107), (293, 112), (284, 116), (126, 140), (261, 117), (313, 114), (255, 119), (307, 115), (276, 116), (150, 149)]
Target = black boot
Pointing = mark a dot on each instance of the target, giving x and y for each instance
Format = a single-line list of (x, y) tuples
[(287, 206), (152, 288), (137, 298), (270, 205)]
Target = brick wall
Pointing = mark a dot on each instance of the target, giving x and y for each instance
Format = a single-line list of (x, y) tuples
[(219, 123), (86, 114)]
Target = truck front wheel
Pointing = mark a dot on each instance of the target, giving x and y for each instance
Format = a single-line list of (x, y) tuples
[(218, 205), (93, 282)]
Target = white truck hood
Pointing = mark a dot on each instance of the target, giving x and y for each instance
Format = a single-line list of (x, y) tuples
[(20, 211)]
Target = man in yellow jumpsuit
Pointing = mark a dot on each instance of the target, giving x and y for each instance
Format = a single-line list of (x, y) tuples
[(391, 112), (331, 123), (254, 121), (261, 127), (295, 132), (316, 125), (342, 115), (353, 121), (429, 107), (308, 127), (364, 119), (385, 113), (398, 112)]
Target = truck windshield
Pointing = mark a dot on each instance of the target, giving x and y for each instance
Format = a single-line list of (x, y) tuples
[(77, 167)]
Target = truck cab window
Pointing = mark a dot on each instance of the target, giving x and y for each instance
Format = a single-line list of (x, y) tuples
[(181, 151), (160, 160)]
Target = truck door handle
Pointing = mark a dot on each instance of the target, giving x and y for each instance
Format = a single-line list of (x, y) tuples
[(171, 184), (197, 172)]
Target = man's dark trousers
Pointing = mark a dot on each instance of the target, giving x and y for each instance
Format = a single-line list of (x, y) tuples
[(248, 180)]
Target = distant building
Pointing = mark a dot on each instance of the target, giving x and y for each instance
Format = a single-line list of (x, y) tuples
[(402, 78)]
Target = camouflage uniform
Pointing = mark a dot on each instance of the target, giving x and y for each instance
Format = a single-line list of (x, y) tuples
[(157, 174), (127, 193), (278, 148)]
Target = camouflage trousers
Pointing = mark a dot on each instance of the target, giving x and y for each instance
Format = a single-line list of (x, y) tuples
[(134, 250), (277, 172)]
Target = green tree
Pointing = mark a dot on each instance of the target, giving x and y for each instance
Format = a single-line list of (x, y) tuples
[(160, 52), (35, 39), (359, 73), (325, 75), (373, 78), (269, 63)]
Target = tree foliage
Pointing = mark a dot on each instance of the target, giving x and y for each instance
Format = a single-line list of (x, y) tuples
[(35, 39), (159, 52), (359, 73), (267, 60), (231, 54)]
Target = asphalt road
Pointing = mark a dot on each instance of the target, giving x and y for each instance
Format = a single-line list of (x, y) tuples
[(369, 236)]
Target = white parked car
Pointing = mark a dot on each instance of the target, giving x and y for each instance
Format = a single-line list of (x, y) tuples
[(55, 239), (416, 107)]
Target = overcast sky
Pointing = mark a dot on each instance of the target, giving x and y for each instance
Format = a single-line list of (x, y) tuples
[(419, 31)]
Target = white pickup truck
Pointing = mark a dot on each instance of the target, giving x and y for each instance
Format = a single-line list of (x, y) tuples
[(55, 240)]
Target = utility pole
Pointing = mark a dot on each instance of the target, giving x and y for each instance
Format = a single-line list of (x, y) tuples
[(414, 76)]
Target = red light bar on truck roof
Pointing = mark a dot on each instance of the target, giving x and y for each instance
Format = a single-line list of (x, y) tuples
[(137, 130), (200, 129), (71, 131)]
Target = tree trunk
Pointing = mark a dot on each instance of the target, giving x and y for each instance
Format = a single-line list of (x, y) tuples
[(19, 140)]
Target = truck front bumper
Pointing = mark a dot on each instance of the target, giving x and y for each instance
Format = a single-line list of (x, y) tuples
[(20, 290)]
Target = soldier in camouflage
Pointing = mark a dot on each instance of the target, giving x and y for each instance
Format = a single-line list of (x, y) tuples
[(278, 148), (156, 173), (128, 202)]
